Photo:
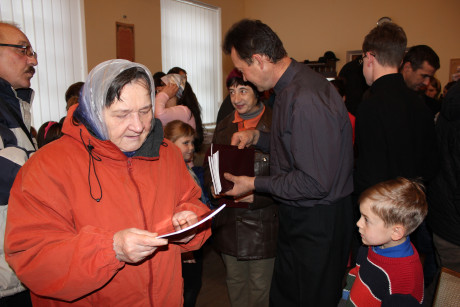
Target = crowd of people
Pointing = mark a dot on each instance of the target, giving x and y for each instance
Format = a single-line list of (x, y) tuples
[(84, 214), (354, 178)]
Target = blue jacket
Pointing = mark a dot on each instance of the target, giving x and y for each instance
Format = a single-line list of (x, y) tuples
[(15, 145)]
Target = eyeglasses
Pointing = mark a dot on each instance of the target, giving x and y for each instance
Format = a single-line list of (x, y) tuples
[(361, 60), (25, 50)]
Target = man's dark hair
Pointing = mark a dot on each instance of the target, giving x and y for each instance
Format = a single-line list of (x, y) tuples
[(250, 37), (419, 54), (125, 77), (388, 42)]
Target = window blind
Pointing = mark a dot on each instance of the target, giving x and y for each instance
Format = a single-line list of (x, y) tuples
[(191, 39)]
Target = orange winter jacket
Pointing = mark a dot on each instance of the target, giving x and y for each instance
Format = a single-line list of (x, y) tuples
[(59, 238)]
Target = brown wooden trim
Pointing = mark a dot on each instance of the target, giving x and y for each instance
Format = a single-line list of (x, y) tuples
[(454, 63), (125, 41)]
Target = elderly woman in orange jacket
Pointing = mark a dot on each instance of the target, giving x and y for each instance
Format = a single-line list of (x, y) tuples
[(86, 211)]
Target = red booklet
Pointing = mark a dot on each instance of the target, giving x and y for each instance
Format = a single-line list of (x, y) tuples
[(229, 159)]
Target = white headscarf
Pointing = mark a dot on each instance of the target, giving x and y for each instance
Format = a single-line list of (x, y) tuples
[(94, 93)]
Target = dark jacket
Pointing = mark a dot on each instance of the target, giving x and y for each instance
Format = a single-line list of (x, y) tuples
[(394, 135), (311, 144), (246, 233), (433, 104), (444, 191), (16, 145), (225, 109), (355, 84)]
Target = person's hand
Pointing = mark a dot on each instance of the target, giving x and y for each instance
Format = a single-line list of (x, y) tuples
[(170, 89), (213, 193), (245, 198), (184, 219), (242, 185), (245, 138), (133, 245)]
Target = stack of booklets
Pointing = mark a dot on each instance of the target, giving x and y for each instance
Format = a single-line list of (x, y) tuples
[(229, 159)]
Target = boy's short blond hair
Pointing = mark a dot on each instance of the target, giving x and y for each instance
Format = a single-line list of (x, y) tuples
[(398, 201)]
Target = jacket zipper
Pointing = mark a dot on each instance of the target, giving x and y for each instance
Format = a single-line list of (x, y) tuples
[(130, 171)]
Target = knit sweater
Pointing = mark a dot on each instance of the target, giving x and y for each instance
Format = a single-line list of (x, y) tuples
[(383, 281)]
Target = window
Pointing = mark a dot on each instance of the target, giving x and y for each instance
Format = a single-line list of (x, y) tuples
[(191, 39), (56, 31)]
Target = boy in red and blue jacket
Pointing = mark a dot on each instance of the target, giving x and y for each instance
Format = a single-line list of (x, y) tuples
[(388, 271)]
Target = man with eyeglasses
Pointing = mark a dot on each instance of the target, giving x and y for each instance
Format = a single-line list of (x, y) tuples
[(394, 130), (17, 61), (395, 134)]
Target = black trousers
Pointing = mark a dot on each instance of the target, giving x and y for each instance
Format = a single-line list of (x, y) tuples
[(21, 299), (313, 250), (191, 273)]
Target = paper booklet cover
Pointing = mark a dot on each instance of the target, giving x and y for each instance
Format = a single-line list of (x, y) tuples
[(229, 159)]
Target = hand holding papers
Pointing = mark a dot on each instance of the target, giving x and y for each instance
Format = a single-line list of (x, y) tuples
[(201, 219), (229, 159)]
